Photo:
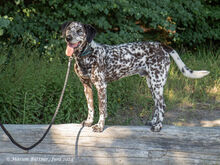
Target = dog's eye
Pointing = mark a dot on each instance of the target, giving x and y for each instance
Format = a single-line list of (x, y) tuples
[(79, 32)]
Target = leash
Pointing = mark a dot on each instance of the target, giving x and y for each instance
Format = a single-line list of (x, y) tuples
[(52, 121)]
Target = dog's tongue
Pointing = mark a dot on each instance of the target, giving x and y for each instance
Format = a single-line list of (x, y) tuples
[(70, 49)]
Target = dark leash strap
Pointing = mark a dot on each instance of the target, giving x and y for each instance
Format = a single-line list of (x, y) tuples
[(52, 121)]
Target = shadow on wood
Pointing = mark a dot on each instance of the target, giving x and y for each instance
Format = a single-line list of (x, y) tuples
[(74, 144)]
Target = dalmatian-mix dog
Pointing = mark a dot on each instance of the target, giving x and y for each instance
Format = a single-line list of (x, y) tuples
[(100, 64)]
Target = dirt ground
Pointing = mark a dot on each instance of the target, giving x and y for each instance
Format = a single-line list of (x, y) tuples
[(195, 117), (180, 117)]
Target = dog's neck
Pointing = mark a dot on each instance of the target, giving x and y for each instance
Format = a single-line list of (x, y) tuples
[(87, 50), (84, 56), (83, 52)]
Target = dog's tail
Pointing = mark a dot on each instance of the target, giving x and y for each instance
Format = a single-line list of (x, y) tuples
[(186, 71)]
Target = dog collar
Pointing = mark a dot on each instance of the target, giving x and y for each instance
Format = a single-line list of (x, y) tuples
[(86, 51)]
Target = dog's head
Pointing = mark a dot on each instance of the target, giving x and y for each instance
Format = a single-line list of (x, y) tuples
[(77, 35)]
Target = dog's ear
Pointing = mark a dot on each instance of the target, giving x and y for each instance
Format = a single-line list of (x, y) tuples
[(90, 32), (63, 28)]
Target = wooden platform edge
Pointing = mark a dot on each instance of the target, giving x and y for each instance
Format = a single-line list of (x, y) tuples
[(74, 144)]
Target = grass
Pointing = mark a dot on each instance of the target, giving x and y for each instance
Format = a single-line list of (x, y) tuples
[(30, 89)]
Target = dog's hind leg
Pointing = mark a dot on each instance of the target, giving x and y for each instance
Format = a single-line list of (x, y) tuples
[(157, 94)]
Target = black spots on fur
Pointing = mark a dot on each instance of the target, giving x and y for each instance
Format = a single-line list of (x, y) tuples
[(186, 68), (160, 58), (154, 60), (96, 52), (189, 70), (142, 47), (167, 61), (151, 50), (183, 70), (138, 56), (157, 72)]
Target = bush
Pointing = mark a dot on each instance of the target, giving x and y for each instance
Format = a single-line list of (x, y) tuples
[(30, 86), (36, 23)]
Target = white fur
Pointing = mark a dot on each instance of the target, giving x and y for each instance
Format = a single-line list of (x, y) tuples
[(180, 64)]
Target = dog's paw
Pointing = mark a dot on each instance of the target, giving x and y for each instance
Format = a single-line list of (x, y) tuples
[(87, 123), (97, 128), (157, 127)]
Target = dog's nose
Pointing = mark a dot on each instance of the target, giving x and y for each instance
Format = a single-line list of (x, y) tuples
[(68, 38)]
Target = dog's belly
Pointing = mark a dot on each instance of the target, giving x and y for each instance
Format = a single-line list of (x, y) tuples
[(116, 74)]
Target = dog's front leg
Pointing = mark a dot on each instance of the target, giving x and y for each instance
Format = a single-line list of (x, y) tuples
[(102, 96), (89, 97)]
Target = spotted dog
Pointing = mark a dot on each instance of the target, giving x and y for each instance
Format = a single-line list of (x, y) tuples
[(99, 64)]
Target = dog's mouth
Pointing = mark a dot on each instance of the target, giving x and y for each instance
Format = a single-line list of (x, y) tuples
[(71, 48)]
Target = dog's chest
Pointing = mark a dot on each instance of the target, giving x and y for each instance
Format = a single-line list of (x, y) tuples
[(84, 67)]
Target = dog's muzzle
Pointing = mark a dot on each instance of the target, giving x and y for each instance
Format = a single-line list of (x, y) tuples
[(71, 48)]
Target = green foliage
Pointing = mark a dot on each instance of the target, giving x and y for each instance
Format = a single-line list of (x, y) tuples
[(36, 23), (33, 64)]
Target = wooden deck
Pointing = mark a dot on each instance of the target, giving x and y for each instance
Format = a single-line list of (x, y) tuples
[(128, 145)]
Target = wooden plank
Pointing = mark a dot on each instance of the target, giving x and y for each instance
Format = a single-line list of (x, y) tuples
[(72, 144)]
